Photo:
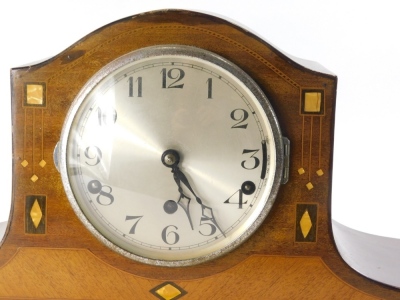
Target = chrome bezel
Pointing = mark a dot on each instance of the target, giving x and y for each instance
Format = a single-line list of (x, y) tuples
[(190, 52)]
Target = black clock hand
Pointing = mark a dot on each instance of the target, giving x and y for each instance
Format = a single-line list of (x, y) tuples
[(206, 211), (184, 201), (179, 178), (171, 159)]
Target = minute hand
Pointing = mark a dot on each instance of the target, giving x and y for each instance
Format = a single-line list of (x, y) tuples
[(206, 211)]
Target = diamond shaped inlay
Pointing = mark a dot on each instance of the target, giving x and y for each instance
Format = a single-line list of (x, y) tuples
[(168, 291), (309, 186), (305, 224), (320, 172), (42, 163), (301, 171), (36, 213), (34, 178), (24, 163)]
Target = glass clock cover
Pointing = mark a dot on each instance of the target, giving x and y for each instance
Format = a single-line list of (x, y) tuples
[(171, 155)]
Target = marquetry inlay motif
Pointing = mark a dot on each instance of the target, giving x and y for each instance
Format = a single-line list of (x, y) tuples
[(35, 214), (35, 94), (312, 102), (301, 171), (34, 104), (34, 178), (42, 163), (168, 291), (312, 111), (24, 163), (306, 222)]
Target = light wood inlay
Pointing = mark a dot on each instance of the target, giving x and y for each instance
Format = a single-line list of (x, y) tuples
[(58, 274)]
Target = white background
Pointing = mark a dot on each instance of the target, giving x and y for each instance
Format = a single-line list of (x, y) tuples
[(356, 40)]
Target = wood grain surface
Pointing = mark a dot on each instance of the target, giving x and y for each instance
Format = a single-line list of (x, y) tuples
[(64, 260)]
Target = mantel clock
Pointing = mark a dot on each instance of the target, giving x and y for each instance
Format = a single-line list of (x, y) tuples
[(169, 155)]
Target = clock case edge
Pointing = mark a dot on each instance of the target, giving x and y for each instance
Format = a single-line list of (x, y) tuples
[(16, 236)]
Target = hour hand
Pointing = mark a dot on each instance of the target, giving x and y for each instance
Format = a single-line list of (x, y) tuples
[(184, 202)]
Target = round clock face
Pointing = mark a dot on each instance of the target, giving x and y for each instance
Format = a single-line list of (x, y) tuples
[(171, 155)]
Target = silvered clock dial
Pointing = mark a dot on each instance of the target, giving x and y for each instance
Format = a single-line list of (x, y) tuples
[(171, 155)]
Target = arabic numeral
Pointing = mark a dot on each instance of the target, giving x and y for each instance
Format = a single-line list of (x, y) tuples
[(107, 117), (137, 219), (239, 115), (256, 161), (209, 88), (212, 229), (93, 154), (171, 234), (131, 82), (172, 74), (237, 196), (104, 198)]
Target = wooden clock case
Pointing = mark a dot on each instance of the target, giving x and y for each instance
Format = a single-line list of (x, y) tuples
[(47, 253)]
